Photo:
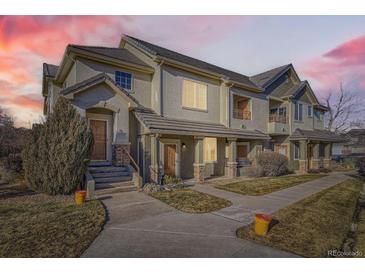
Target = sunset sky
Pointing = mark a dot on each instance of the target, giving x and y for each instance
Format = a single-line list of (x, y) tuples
[(325, 49)]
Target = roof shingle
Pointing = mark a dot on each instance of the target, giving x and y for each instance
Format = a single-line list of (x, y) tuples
[(166, 53)]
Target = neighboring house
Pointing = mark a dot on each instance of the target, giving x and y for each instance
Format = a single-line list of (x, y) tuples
[(183, 117), (354, 146)]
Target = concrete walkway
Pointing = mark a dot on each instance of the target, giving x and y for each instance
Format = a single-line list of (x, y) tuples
[(244, 207), (140, 226)]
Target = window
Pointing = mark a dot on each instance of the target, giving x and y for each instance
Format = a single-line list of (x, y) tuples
[(296, 151), (310, 111), (123, 79), (278, 115), (194, 95), (210, 149), (298, 111)]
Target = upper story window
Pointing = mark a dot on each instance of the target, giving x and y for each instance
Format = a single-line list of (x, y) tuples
[(210, 149), (123, 79), (310, 111), (278, 115), (318, 115), (298, 111), (241, 107), (194, 95)]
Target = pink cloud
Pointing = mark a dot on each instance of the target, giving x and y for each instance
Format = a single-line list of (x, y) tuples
[(28, 41), (344, 63)]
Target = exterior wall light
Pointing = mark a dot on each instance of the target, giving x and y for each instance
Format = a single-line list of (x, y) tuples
[(183, 146)]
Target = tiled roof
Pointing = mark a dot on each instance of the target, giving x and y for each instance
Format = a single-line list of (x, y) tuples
[(316, 135), (159, 124), (173, 55), (117, 53), (95, 80), (49, 70)]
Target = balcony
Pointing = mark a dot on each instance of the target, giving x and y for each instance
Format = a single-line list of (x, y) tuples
[(278, 124), (275, 118), (241, 114)]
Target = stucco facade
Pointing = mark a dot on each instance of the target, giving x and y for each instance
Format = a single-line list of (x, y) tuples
[(165, 137)]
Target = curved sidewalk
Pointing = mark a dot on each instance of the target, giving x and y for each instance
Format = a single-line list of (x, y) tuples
[(245, 207)]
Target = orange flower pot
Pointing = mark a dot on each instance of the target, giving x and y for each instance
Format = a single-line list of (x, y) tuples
[(80, 196)]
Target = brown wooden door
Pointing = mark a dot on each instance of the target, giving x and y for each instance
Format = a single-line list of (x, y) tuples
[(170, 159), (242, 151), (98, 129)]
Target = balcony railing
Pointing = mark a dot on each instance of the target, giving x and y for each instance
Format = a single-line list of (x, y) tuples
[(278, 118), (241, 114)]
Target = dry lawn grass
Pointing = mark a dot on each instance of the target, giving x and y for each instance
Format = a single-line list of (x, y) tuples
[(191, 201), (38, 225), (313, 225), (360, 237), (262, 186)]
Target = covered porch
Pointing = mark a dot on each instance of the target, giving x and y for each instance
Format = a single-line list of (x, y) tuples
[(195, 150), (312, 149)]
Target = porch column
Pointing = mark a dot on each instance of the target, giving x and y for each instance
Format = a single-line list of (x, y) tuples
[(199, 166), (231, 168), (155, 167), (303, 161), (315, 160), (327, 155)]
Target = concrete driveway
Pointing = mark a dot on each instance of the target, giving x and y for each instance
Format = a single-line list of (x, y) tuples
[(140, 226)]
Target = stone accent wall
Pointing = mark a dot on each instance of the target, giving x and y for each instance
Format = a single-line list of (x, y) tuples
[(327, 163), (120, 158), (315, 163), (199, 170), (303, 166), (231, 169), (155, 174)]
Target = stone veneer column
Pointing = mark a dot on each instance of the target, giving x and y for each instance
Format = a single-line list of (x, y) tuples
[(231, 168), (119, 155), (199, 166), (315, 160), (327, 156), (303, 161), (155, 169)]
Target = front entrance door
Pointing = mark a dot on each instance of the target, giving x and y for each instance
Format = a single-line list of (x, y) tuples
[(170, 159), (98, 129), (310, 155)]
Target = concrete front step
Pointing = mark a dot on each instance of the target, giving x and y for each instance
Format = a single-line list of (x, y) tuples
[(112, 179), (110, 174), (99, 163), (107, 169), (110, 185), (111, 190)]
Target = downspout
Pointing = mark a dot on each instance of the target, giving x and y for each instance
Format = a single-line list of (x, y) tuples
[(161, 85), (229, 105)]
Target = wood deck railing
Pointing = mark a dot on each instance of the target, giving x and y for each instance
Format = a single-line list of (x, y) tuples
[(136, 174)]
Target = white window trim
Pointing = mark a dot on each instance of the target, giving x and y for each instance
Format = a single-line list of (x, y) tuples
[(132, 80), (182, 94)]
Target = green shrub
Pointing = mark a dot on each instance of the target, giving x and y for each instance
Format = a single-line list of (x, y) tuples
[(272, 164), (55, 157)]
